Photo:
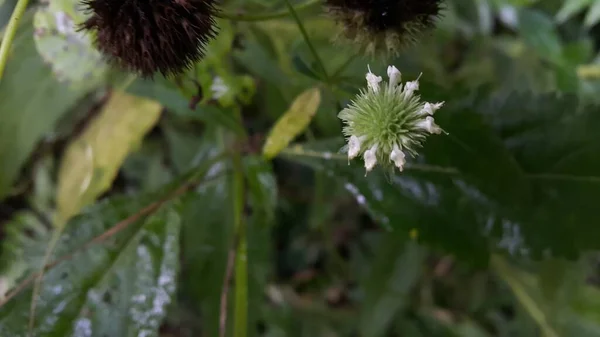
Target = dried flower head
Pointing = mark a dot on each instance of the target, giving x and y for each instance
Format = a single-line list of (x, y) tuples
[(384, 26), (388, 121), (148, 36)]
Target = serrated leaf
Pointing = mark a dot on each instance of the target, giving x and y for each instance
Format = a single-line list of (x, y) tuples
[(92, 161), (426, 198), (116, 288), (28, 114), (293, 122)]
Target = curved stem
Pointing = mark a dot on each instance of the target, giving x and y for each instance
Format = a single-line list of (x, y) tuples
[(11, 30), (307, 40), (264, 17)]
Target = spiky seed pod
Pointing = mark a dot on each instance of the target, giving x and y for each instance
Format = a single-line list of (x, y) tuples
[(384, 27), (149, 36)]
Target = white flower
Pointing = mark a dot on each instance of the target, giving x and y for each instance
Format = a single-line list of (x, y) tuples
[(398, 157), (391, 123), (373, 80), (410, 88), (370, 158), (429, 125), (430, 109), (353, 147), (394, 75), (218, 88)]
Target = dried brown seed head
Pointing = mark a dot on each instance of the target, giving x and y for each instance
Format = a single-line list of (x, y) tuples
[(149, 36), (384, 26)]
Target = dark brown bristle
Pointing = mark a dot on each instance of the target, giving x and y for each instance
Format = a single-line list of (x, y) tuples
[(385, 24), (381, 15), (149, 36)]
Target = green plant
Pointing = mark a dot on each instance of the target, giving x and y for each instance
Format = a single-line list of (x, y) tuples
[(220, 201)]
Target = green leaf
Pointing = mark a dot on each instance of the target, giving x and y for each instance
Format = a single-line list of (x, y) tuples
[(92, 160), (262, 188), (293, 122), (570, 8), (474, 149), (593, 15), (207, 236), (543, 147), (539, 32), (394, 272), (27, 115), (554, 296), (423, 197), (173, 98), (69, 52), (119, 287)]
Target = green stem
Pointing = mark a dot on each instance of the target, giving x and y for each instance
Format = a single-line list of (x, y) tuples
[(307, 40), (240, 323), (9, 35), (345, 65), (519, 289), (267, 16)]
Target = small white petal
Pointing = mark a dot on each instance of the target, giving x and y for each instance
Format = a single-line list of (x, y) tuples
[(373, 80), (353, 147), (410, 88), (218, 88), (398, 157), (394, 75), (370, 158), (429, 125), (431, 108)]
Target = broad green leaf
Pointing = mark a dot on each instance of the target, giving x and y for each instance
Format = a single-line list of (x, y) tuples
[(292, 122), (481, 157), (393, 274), (116, 288), (543, 147), (428, 198), (32, 101), (69, 52), (92, 160)]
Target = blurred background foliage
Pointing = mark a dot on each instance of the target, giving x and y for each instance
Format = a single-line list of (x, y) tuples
[(152, 201)]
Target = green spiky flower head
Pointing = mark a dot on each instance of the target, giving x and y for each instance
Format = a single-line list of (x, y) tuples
[(388, 120)]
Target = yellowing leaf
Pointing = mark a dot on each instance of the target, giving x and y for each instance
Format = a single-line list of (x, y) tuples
[(293, 122), (92, 161)]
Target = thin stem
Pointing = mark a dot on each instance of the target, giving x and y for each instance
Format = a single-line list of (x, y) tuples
[(307, 40), (345, 65), (519, 289), (267, 16), (241, 256), (9, 35)]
